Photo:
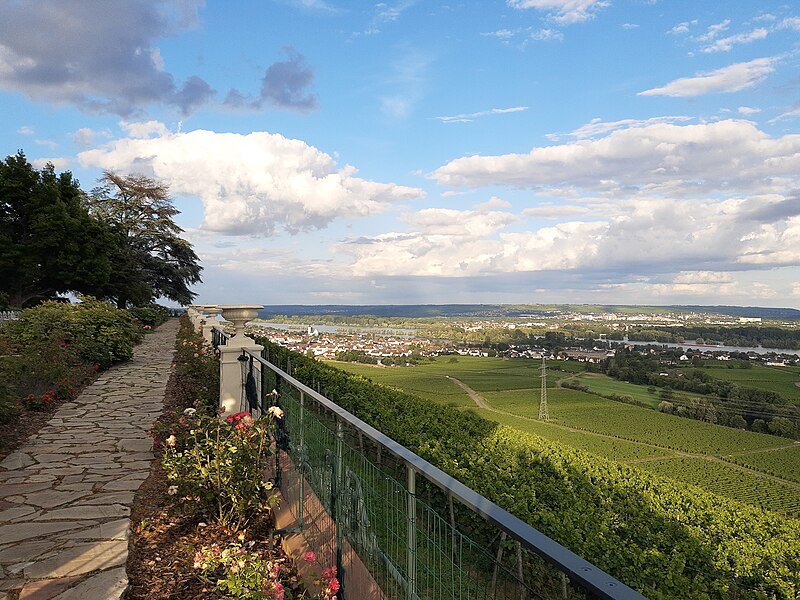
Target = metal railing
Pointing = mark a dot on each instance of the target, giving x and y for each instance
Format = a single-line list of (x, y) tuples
[(8, 315), (219, 337), (368, 504)]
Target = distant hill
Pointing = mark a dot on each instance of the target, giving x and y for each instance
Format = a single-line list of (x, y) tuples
[(514, 310)]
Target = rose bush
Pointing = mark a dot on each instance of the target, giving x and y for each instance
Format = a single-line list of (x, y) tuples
[(216, 466)]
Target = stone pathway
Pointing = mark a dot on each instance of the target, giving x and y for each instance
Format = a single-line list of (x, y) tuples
[(65, 495)]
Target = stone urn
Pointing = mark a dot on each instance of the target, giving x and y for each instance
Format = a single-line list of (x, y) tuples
[(239, 314)]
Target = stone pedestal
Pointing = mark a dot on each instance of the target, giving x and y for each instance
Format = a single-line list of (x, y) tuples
[(231, 380), (212, 310)]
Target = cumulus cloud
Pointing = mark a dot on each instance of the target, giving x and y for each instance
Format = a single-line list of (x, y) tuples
[(469, 117), (701, 242), (96, 55), (726, 157), (563, 11), (251, 184), (284, 86), (733, 78)]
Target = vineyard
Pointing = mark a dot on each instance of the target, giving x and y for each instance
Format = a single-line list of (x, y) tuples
[(782, 463), (614, 430), (664, 538), (731, 482)]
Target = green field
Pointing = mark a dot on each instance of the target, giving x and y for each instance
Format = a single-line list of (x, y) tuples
[(607, 386), (615, 430), (781, 380), (725, 480)]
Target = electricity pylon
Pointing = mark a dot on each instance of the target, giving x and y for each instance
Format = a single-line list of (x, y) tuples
[(543, 402)]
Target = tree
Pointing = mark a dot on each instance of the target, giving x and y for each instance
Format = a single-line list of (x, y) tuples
[(49, 243), (152, 259)]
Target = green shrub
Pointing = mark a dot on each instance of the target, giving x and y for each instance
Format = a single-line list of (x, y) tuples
[(215, 466), (150, 315), (198, 366), (100, 333)]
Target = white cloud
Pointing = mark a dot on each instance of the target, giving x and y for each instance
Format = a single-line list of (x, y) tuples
[(790, 23), (86, 137), (727, 44), (630, 26), (251, 184), (733, 78), (700, 242), (682, 28), (545, 35), (25, 130), (597, 127), (748, 110), (727, 157), (557, 211), (503, 34), (144, 129), (713, 30), (563, 11), (493, 202), (59, 162), (469, 117)]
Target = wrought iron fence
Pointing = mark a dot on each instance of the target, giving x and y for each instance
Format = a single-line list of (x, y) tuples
[(8, 315), (395, 525)]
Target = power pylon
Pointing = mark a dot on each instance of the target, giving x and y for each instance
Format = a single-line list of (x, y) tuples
[(543, 416)]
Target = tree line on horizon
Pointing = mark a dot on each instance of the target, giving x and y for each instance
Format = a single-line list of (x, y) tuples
[(117, 242)]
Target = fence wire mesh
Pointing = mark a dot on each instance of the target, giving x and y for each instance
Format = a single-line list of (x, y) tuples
[(391, 533)]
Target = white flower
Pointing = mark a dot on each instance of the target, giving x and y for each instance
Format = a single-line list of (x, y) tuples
[(190, 412), (172, 490), (171, 441), (275, 412)]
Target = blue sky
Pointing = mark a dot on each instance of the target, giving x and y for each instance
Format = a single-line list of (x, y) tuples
[(622, 151)]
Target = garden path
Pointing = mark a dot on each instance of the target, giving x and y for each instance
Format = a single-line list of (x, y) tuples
[(65, 495)]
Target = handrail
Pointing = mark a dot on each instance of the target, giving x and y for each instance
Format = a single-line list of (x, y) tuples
[(581, 570)]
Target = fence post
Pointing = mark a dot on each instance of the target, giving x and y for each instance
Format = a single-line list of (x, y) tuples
[(337, 508), (231, 379), (411, 534)]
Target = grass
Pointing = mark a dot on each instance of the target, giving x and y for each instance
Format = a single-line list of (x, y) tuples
[(773, 379)]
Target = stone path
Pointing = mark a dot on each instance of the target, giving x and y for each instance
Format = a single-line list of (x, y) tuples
[(65, 495)]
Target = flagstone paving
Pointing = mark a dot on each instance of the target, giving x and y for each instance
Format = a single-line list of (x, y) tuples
[(65, 496)]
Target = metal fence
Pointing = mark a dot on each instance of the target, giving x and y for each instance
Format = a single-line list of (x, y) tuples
[(8, 315), (396, 526)]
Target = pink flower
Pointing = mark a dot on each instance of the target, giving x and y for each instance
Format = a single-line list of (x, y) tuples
[(171, 441), (309, 557)]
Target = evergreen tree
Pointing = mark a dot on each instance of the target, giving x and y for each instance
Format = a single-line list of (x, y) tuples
[(49, 243), (151, 259)]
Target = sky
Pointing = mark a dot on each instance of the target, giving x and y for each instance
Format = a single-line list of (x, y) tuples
[(404, 152)]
